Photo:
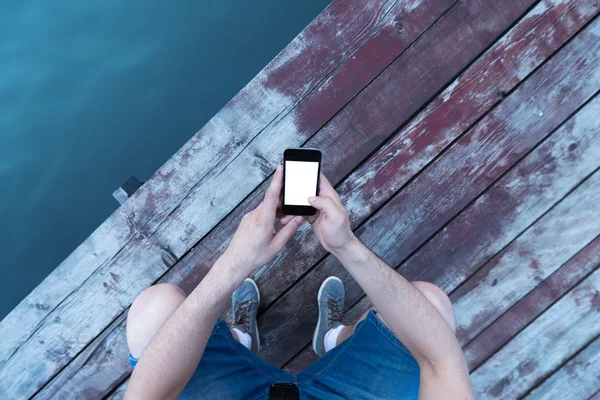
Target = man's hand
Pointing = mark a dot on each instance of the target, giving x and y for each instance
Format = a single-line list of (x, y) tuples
[(256, 243), (330, 224)]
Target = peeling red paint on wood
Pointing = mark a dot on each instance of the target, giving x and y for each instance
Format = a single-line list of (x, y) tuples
[(532, 305), (550, 340), (565, 229), (578, 379)]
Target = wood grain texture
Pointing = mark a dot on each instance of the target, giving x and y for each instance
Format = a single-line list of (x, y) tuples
[(577, 379), (120, 392), (296, 71), (447, 186), (540, 251), (596, 396), (303, 359), (550, 340), (532, 305), (96, 371)]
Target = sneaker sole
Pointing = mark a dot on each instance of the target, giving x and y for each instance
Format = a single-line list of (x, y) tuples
[(258, 292), (320, 316)]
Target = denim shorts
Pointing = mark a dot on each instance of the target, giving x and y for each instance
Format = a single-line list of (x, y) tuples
[(371, 364)]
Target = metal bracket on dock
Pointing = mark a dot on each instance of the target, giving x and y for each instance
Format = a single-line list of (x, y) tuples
[(127, 189), (167, 256)]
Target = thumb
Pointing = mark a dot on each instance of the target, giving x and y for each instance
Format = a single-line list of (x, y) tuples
[(324, 204), (286, 233)]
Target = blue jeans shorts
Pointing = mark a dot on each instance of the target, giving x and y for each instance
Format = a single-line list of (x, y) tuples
[(371, 364)]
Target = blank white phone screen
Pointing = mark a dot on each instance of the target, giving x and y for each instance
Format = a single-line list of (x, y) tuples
[(300, 182)]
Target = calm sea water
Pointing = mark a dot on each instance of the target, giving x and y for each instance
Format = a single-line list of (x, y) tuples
[(92, 92)]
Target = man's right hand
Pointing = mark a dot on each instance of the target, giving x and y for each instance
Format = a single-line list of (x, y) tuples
[(330, 224)]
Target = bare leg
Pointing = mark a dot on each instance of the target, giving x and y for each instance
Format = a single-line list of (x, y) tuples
[(149, 311), (434, 294)]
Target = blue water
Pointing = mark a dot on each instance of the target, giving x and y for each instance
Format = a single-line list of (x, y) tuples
[(94, 91)]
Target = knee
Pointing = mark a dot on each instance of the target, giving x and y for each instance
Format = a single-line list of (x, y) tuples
[(438, 299), (149, 311)]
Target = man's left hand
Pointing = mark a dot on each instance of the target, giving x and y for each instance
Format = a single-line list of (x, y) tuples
[(256, 243)]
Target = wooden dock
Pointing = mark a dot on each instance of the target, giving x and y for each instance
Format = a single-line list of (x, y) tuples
[(463, 138)]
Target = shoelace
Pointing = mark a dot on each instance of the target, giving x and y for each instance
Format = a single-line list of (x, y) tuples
[(335, 312), (241, 316)]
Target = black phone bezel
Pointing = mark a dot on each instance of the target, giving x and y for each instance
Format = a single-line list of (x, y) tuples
[(313, 155), (288, 391)]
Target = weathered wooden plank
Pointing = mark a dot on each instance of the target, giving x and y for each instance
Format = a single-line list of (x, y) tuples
[(300, 361), (531, 306), (549, 341), (328, 41), (577, 379), (443, 189), (120, 392), (96, 370), (531, 258)]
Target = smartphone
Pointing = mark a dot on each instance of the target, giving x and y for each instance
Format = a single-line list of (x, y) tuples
[(301, 168)]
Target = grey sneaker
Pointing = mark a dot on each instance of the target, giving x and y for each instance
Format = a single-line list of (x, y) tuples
[(331, 303), (244, 303)]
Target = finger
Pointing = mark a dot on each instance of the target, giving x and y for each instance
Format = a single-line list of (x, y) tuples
[(272, 195), (285, 233), (284, 220), (279, 213), (324, 204), (326, 190), (312, 218)]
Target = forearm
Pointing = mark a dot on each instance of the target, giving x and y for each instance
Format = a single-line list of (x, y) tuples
[(174, 353), (412, 318)]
